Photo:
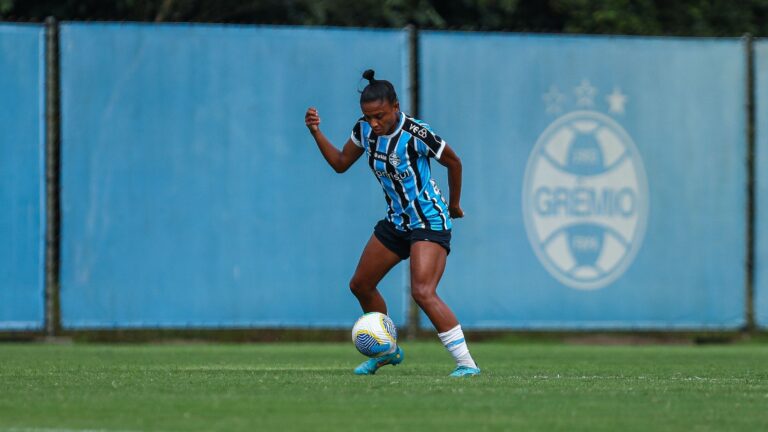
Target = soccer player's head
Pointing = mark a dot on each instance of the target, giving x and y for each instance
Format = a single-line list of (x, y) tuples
[(379, 104)]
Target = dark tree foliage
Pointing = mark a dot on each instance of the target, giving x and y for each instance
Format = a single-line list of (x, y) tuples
[(635, 17)]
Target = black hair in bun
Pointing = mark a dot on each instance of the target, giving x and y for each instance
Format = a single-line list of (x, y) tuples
[(377, 90)]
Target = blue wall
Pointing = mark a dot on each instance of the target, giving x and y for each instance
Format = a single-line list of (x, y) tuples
[(192, 193), (761, 184), (22, 144), (653, 128), (602, 190)]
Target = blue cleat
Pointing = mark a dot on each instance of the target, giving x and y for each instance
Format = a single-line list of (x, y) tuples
[(465, 371), (370, 366)]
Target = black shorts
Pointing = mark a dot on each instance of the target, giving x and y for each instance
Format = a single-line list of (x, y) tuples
[(400, 242)]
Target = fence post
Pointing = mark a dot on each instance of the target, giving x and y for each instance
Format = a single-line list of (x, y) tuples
[(52, 178), (750, 264)]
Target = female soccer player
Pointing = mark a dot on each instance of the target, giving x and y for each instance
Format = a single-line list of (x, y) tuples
[(418, 221)]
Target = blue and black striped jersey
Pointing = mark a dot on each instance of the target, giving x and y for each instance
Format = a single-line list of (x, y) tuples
[(400, 162)]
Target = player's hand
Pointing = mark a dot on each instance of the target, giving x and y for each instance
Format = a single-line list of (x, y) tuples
[(456, 212), (312, 119)]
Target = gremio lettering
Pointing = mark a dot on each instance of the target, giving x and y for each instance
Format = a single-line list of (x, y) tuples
[(584, 202)]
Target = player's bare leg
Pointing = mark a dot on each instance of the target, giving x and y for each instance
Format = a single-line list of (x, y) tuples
[(375, 262), (427, 267)]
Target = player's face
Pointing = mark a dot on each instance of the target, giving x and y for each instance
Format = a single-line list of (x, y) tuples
[(381, 115)]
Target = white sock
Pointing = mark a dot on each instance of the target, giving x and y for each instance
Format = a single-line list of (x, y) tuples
[(454, 342)]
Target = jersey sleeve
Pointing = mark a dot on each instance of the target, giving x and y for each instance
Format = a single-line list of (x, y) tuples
[(357, 134), (428, 143)]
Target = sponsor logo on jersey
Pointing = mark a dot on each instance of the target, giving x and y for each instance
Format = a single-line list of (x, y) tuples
[(397, 176), (417, 130)]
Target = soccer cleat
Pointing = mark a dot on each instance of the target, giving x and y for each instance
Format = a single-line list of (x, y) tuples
[(465, 371), (370, 366)]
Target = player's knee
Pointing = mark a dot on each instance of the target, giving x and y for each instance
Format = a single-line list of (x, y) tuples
[(359, 287), (422, 294)]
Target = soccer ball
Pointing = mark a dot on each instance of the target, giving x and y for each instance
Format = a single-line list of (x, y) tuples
[(374, 334)]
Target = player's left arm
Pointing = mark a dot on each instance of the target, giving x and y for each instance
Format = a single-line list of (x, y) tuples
[(450, 160)]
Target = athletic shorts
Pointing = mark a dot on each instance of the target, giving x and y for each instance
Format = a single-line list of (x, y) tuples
[(400, 242)]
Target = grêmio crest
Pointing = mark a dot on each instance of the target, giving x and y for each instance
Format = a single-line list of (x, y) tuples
[(585, 193)]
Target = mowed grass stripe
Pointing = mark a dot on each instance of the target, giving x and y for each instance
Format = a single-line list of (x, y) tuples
[(311, 387), (59, 430)]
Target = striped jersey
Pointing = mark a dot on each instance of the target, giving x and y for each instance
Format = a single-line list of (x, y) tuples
[(400, 162)]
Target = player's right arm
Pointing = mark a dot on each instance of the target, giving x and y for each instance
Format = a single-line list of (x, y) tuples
[(339, 160)]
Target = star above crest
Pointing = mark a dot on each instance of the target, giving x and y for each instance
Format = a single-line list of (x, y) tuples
[(554, 100), (585, 94), (616, 101)]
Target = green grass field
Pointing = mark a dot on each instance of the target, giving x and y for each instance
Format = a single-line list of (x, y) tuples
[(285, 387)]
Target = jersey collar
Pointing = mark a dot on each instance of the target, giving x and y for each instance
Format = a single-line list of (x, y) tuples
[(399, 126)]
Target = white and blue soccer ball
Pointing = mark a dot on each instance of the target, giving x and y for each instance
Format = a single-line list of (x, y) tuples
[(374, 335)]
